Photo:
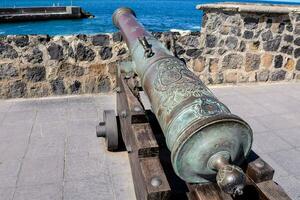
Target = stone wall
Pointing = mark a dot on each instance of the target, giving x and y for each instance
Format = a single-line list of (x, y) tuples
[(39, 65), (238, 43), (248, 43)]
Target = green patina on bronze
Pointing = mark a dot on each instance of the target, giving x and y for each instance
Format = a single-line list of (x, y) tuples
[(196, 125)]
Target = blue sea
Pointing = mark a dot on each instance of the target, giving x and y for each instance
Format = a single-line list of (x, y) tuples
[(156, 15)]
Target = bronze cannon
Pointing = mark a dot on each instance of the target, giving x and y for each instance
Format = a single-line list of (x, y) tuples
[(207, 142)]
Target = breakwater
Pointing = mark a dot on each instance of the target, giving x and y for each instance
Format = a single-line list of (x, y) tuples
[(234, 46), (8, 15)]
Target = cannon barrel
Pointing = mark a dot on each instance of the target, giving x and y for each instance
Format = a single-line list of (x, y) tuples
[(207, 142)]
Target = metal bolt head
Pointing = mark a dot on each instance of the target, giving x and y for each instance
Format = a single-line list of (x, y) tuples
[(156, 181), (118, 89)]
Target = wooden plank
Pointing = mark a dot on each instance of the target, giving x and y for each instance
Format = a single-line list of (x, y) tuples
[(135, 108), (126, 109), (257, 169), (207, 192), (269, 190), (145, 142), (157, 185)]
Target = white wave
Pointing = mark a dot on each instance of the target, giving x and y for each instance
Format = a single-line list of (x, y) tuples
[(182, 32)]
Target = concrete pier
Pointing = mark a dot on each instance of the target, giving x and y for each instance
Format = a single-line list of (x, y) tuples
[(41, 13)]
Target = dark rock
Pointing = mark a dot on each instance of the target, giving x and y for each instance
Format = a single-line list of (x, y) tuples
[(289, 26), (7, 51), (278, 61), (287, 49), (104, 84), (252, 62), (21, 41), (266, 36), (36, 74), (298, 18), (297, 29), (75, 87), (248, 34), (255, 44), (211, 41), (157, 35), (263, 76), (204, 20), (235, 30), (65, 43), (221, 43), (191, 41), (272, 45), (84, 53), (117, 37), (278, 75), (58, 86), (297, 52), (82, 37), (231, 42), (194, 53), (17, 89), (121, 51), (281, 27), (69, 70), (7, 71), (232, 61), (221, 51), (213, 23), (196, 33), (298, 65), (251, 23), (179, 49), (269, 23), (71, 52), (36, 56), (43, 39), (257, 34), (242, 46), (100, 40), (288, 38), (56, 52), (105, 53), (210, 51), (297, 41)]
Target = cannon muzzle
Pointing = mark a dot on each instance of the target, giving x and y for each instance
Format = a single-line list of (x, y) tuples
[(207, 142)]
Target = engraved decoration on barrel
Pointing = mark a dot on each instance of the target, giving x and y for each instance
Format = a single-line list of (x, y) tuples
[(203, 136)]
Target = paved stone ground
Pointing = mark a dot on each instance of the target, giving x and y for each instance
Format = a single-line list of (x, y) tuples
[(48, 147)]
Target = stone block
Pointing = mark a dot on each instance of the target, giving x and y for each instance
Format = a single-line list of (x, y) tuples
[(36, 74), (56, 52), (252, 62), (8, 71), (266, 60), (199, 64), (84, 53), (232, 61)]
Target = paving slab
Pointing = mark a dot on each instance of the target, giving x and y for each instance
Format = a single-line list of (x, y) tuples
[(49, 149)]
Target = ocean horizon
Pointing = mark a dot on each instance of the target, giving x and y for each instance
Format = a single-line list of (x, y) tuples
[(156, 15)]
